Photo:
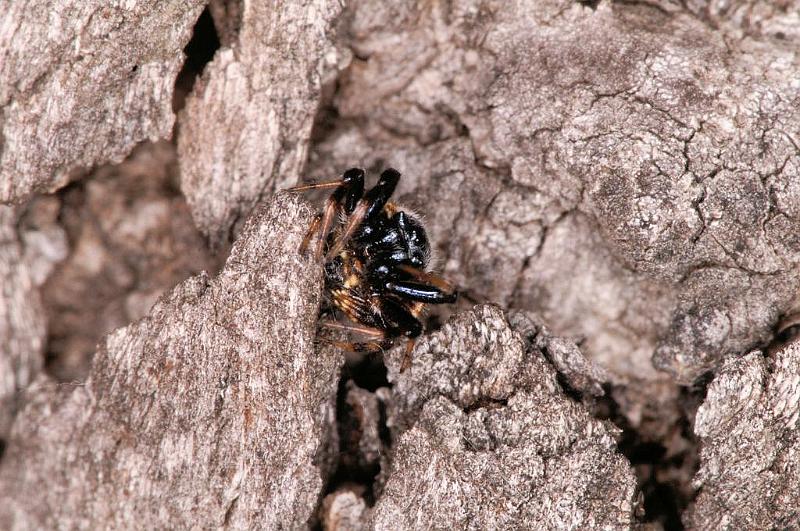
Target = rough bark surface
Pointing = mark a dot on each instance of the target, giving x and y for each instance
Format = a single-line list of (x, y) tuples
[(749, 476), (621, 178), (246, 127), (31, 243), (627, 171), (82, 83), (487, 438), (22, 320), (213, 410)]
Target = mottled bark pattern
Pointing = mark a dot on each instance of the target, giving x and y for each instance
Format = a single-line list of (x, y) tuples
[(81, 83), (493, 442), (246, 127), (750, 433), (614, 186), (213, 410), (22, 320)]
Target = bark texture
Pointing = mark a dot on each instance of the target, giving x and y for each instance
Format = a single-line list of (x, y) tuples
[(213, 410), (30, 245), (491, 440), (618, 180), (81, 83), (22, 321), (750, 462), (216, 409), (246, 127), (628, 171)]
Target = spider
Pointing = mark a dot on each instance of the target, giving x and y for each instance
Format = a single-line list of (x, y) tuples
[(377, 263)]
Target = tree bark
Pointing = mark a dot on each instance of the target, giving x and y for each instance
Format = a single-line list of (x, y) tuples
[(614, 186)]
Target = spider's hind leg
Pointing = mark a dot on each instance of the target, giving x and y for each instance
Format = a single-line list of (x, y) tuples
[(360, 347), (375, 333), (378, 340)]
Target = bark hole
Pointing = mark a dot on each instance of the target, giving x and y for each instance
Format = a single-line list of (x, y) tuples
[(664, 467), (363, 435), (199, 52)]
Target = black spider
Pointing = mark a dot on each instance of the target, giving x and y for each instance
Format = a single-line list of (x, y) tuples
[(377, 260)]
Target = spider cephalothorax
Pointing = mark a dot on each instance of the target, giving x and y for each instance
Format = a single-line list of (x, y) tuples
[(377, 260)]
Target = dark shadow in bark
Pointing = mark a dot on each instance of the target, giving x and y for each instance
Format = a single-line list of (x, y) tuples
[(199, 52)]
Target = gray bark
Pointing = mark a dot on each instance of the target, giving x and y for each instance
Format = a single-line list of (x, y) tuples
[(749, 476), (630, 172), (22, 322), (213, 410), (218, 402), (29, 251), (491, 440), (621, 180), (246, 127), (81, 83)]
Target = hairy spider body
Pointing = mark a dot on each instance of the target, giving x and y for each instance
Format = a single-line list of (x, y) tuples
[(377, 260), (356, 278)]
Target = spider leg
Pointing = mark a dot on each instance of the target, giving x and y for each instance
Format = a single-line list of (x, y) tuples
[(350, 179), (378, 341), (370, 346), (349, 190), (312, 229), (347, 327), (326, 222), (427, 278), (420, 292), (417, 285), (315, 186), (369, 205), (400, 321), (346, 195), (354, 179), (406, 363)]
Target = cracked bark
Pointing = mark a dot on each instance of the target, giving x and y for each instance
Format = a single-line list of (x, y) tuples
[(670, 159), (622, 178)]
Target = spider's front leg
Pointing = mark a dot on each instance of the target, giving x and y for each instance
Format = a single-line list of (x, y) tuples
[(420, 292), (349, 189), (416, 285), (412, 283), (370, 205)]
